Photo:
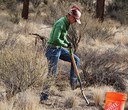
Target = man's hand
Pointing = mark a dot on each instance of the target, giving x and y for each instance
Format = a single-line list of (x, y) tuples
[(70, 45)]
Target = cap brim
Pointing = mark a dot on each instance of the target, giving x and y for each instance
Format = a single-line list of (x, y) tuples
[(78, 21)]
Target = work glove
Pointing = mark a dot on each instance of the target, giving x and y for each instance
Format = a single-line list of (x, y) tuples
[(70, 45)]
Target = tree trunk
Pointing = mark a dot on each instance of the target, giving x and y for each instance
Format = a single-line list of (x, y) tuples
[(100, 9), (25, 10)]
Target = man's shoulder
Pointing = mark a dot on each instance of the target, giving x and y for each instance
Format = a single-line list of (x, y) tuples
[(60, 21)]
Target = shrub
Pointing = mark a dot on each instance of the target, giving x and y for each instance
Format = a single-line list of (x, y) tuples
[(106, 67), (118, 10), (96, 30), (20, 69), (11, 7), (7, 41), (55, 10), (10, 4), (36, 3)]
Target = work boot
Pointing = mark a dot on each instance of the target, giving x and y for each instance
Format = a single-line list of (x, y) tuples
[(76, 84)]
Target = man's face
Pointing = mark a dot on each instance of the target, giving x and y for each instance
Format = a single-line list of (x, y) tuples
[(72, 20)]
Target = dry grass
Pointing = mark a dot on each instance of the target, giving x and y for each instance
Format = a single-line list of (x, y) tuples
[(20, 58), (126, 106), (118, 10), (106, 67), (70, 102), (27, 69), (27, 100), (99, 94)]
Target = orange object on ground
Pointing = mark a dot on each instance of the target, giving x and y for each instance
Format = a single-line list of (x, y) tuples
[(115, 101)]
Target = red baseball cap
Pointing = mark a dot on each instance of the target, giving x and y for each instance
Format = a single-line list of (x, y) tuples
[(75, 12)]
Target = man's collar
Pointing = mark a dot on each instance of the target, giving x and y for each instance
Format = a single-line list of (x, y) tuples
[(66, 22)]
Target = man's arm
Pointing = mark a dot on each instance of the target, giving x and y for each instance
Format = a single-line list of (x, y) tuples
[(56, 38), (65, 39)]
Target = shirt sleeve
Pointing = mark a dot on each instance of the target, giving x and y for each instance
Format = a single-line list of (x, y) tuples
[(56, 38), (65, 39)]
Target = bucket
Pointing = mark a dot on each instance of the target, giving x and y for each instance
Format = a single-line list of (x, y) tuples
[(115, 101)]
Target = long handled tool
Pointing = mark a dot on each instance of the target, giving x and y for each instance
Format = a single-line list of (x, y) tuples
[(78, 76)]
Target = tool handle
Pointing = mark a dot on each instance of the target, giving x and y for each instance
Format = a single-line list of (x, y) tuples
[(78, 76), (74, 65)]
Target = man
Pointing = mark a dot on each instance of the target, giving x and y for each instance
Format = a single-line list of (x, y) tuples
[(57, 44)]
